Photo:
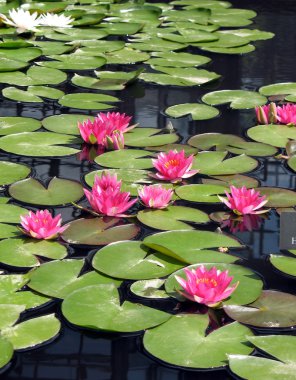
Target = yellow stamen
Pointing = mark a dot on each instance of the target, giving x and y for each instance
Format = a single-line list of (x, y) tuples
[(207, 281), (171, 163)]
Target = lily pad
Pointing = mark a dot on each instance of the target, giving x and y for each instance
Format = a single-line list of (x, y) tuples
[(238, 99), (18, 95), (149, 289), (46, 92), (10, 213), (6, 352), (22, 253), (58, 192), (98, 231), (285, 89), (278, 197), (8, 231), (178, 147), (272, 309), (141, 137), (192, 246), (272, 134), (236, 180), (60, 278), (39, 144), (52, 47), (179, 330), (10, 314), (7, 64), (26, 54), (216, 163), (231, 50), (74, 34), (284, 264), (125, 159), (98, 307), (126, 56), (132, 260), (73, 62), (201, 193), (10, 125), (32, 332), (173, 59), (87, 101), (197, 111), (65, 123), (11, 172), (172, 218)]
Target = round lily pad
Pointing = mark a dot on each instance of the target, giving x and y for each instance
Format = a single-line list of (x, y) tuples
[(231, 50), (149, 289), (236, 180), (59, 191), (8, 231), (284, 264), (273, 134), (7, 64), (98, 231), (10, 314), (18, 95), (98, 307), (285, 89), (197, 111), (247, 280), (172, 218), (10, 125), (141, 137), (87, 101), (65, 123), (278, 197), (185, 343), (125, 159), (201, 193), (6, 352), (11, 172), (73, 62), (238, 99), (133, 260), (10, 213), (271, 310)]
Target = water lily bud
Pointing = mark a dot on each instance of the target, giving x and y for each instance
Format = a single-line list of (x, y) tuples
[(272, 114)]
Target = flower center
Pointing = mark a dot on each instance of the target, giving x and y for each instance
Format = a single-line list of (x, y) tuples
[(208, 281), (171, 163)]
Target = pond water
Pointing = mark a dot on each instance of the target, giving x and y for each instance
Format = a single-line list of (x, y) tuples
[(87, 355)]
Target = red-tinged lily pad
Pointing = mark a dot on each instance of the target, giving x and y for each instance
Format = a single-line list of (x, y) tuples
[(184, 342), (99, 231), (272, 309), (99, 308)]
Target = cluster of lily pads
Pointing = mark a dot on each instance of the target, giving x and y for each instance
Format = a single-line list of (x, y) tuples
[(148, 163)]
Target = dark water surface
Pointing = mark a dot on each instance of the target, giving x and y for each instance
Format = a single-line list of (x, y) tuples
[(78, 355)]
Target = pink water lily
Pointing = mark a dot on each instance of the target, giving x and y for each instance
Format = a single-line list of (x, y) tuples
[(106, 197), (104, 126), (286, 114), (115, 141), (208, 287), (42, 225), (249, 222), (244, 201), (267, 114), (173, 166), (155, 196)]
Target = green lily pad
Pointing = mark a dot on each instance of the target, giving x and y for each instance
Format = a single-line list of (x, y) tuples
[(291, 162), (74, 34), (94, 47), (172, 218), (251, 34), (98, 231), (7, 64), (121, 28), (278, 197), (26, 54), (166, 148), (247, 280), (272, 309), (156, 44), (87, 101), (149, 289), (6, 352), (173, 59), (125, 159), (10, 125), (197, 111), (192, 246), (126, 56), (185, 343), (284, 264), (231, 50), (10, 314), (216, 163), (39, 144), (280, 347), (52, 47), (285, 89), (10, 213), (227, 21), (141, 137), (8, 231), (22, 253), (60, 278), (73, 62), (238, 99), (98, 307), (132, 260), (232, 143), (236, 180), (11, 172), (224, 41), (58, 192), (46, 92), (201, 193), (32, 332), (65, 123), (18, 95), (272, 134)]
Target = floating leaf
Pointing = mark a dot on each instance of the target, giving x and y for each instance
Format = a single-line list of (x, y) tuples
[(50, 47), (185, 344), (58, 192), (65, 123), (197, 111), (87, 101), (10, 213), (11, 172), (173, 59), (273, 134), (18, 95), (224, 41), (132, 260), (7, 64), (74, 34), (238, 99), (121, 28), (98, 307), (126, 56), (6, 352), (98, 231), (166, 148), (149, 289), (278, 197), (125, 159), (46, 92), (9, 314), (10, 125), (201, 193), (231, 50), (236, 180), (141, 137), (272, 309), (60, 278), (285, 89), (73, 62), (284, 264)]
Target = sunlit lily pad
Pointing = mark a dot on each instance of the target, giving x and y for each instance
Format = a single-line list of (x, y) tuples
[(98, 231), (216, 163), (126, 56), (10, 125), (53, 47), (125, 159), (60, 278), (166, 148), (284, 264), (10, 213), (98, 307), (125, 175), (6, 352), (192, 246), (251, 34), (73, 62), (87, 101), (149, 289), (141, 137), (7, 64), (38, 144), (272, 309), (237, 180), (231, 50), (26, 54), (46, 92), (132, 260), (273, 134), (201, 192), (278, 197), (238, 99), (8, 231), (185, 344), (156, 44), (121, 28), (11, 172), (65, 123), (197, 111), (172, 218), (10, 314), (59, 191), (224, 41), (18, 95), (74, 34), (173, 59), (22, 252), (285, 89)]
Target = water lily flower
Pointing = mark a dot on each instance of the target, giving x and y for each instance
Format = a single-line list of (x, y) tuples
[(155, 196), (115, 121), (244, 201), (115, 141), (173, 166), (56, 20), (42, 225), (106, 198), (208, 287), (267, 114), (286, 114), (22, 20)]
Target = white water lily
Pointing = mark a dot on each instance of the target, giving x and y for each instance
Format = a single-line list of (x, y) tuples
[(22, 20), (54, 20)]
